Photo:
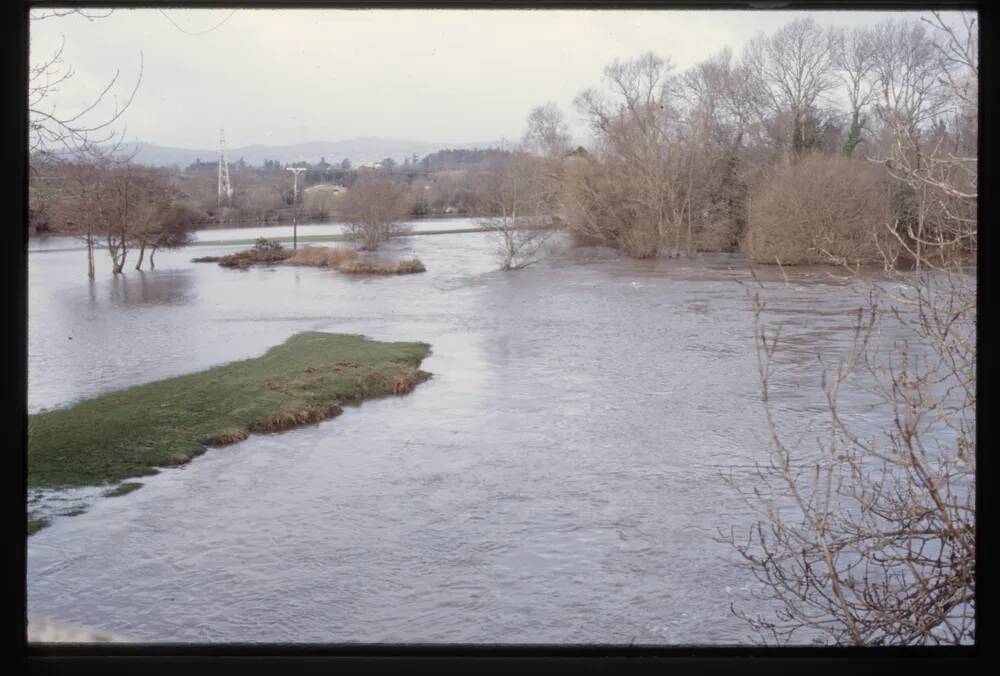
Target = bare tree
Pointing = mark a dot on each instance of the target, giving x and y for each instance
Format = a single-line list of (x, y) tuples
[(923, 82), (374, 208), (636, 160), (74, 206), (118, 203), (70, 133), (547, 133), (854, 59), (793, 68), (723, 117), (520, 198), (870, 538), (159, 219), (908, 69)]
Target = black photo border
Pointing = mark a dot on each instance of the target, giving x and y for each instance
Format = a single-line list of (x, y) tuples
[(107, 658)]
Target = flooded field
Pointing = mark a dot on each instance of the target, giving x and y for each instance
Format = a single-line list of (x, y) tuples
[(557, 480)]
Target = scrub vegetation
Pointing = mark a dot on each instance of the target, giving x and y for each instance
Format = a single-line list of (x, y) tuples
[(347, 261)]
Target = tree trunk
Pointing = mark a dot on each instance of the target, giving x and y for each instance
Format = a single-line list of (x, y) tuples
[(113, 253), (142, 254), (90, 255), (152, 252), (508, 252), (798, 134), (690, 205)]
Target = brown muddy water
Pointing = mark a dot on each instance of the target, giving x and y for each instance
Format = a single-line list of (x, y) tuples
[(557, 480)]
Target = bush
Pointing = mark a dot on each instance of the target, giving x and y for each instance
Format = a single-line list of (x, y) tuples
[(373, 209), (366, 266), (264, 251), (322, 256), (822, 209)]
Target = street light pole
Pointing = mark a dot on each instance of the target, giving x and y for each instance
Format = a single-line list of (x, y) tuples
[(295, 205)]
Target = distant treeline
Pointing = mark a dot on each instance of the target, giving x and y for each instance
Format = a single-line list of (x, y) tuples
[(866, 153)]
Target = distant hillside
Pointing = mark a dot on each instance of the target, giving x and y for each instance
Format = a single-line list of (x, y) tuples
[(357, 150)]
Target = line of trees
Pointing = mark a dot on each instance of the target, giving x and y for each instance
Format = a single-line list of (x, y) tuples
[(730, 153), (113, 203)]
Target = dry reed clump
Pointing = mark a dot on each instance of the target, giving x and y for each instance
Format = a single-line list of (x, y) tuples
[(207, 259), (289, 419), (821, 209), (406, 382), (322, 256), (348, 261), (360, 266), (226, 438), (397, 382)]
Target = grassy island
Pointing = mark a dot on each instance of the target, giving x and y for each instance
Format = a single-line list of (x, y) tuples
[(131, 432)]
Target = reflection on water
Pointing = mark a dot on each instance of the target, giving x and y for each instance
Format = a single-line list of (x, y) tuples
[(151, 288), (556, 481)]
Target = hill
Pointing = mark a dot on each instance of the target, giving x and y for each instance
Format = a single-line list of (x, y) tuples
[(357, 150)]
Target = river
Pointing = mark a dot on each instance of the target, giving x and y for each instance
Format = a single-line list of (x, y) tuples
[(557, 480)]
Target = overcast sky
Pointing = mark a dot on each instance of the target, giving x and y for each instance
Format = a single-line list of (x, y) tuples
[(449, 76)]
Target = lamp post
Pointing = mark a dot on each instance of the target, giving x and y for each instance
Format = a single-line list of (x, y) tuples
[(295, 205)]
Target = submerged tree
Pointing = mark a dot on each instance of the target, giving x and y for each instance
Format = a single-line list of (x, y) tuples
[(160, 219), (520, 198), (374, 209), (631, 190)]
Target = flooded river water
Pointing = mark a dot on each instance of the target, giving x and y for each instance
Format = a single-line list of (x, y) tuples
[(557, 480)]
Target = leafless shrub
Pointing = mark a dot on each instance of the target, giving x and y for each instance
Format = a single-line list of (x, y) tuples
[(822, 209), (518, 194), (374, 208)]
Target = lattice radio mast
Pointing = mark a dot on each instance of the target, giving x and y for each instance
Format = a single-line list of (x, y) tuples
[(225, 188)]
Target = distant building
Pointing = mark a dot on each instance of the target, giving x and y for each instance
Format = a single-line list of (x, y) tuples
[(324, 187)]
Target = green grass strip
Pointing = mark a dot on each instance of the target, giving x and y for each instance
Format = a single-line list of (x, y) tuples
[(122, 489), (330, 238), (131, 432)]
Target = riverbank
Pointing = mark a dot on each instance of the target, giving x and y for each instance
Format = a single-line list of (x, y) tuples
[(131, 432)]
